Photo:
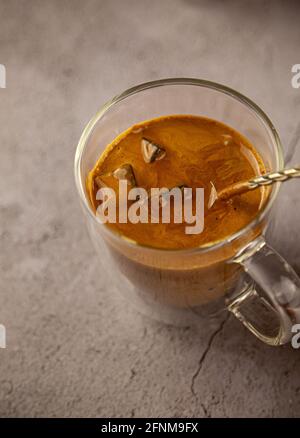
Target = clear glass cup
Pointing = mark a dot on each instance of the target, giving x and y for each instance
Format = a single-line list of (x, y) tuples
[(241, 274)]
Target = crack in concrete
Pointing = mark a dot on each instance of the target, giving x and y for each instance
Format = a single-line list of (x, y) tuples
[(203, 356), (206, 413)]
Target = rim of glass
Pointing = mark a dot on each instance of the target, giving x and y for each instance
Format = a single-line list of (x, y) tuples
[(177, 81)]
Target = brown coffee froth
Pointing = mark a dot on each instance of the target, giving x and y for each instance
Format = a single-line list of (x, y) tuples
[(176, 151)]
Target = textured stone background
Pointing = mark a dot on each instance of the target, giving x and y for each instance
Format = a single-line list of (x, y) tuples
[(72, 349)]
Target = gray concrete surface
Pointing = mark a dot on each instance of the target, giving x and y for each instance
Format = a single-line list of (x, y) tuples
[(72, 349)]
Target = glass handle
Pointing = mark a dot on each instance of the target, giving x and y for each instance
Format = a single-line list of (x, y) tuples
[(269, 304)]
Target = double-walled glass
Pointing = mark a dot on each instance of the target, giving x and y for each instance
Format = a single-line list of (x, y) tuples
[(241, 273)]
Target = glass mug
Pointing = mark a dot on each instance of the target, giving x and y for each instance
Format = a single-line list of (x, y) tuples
[(240, 273)]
